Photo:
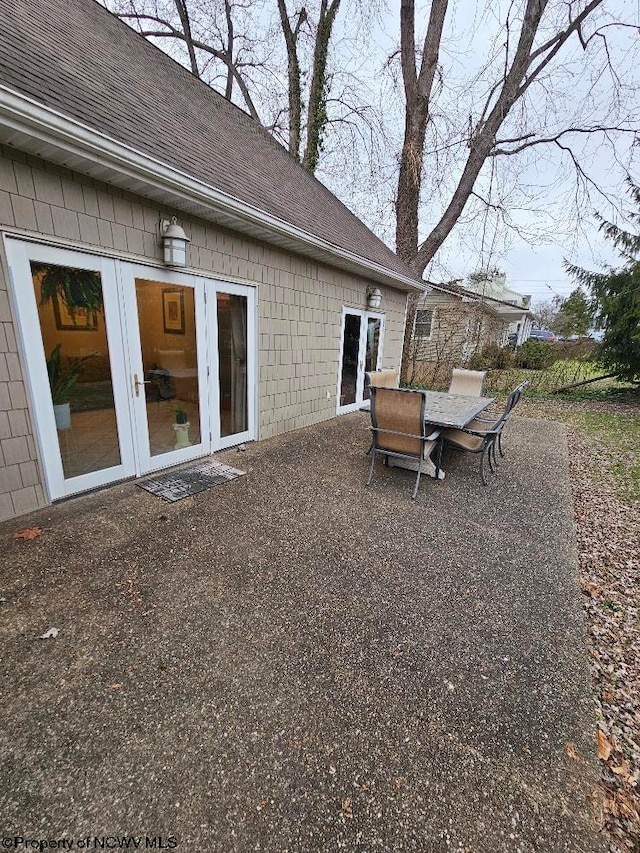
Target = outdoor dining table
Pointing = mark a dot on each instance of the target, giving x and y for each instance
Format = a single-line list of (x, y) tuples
[(444, 410), (453, 410)]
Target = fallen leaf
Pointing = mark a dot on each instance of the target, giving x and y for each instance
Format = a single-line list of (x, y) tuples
[(622, 770), (28, 533), (592, 589), (571, 751), (115, 687), (50, 634), (347, 811), (604, 747)]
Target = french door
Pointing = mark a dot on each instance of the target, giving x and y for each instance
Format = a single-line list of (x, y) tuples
[(360, 352), (131, 368)]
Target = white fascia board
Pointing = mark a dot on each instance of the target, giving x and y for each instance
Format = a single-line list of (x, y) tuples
[(24, 115)]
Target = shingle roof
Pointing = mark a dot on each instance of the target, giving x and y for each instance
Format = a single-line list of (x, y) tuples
[(455, 289), (77, 58)]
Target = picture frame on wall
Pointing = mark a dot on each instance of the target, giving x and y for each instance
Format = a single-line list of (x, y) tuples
[(173, 311), (81, 320)]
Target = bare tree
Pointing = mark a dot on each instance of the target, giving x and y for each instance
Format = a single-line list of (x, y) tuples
[(317, 117), (531, 44), (251, 64)]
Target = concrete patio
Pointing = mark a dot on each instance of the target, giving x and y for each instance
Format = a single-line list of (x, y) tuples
[(294, 662)]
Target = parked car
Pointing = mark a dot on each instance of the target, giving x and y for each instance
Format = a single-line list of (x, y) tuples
[(545, 335)]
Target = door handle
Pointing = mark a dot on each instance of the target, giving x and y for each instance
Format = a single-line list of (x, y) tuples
[(138, 382)]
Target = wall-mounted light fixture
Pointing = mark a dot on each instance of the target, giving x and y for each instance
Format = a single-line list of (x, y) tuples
[(374, 298), (174, 243)]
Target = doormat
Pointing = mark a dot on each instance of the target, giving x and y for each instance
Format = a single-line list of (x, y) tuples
[(189, 481)]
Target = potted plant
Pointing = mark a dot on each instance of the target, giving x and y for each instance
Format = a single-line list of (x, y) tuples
[(74, 288), (180, 413), (62, 378), (181, 426)]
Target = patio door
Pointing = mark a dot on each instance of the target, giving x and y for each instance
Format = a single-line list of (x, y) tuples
[(360, 352), (74, 363), (167, 356), (131, 368)]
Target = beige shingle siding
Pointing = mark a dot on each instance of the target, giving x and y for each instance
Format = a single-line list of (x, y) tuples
[(452, 342), (299, 309)]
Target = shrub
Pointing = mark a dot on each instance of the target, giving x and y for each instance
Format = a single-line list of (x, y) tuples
[(535, 355), (492, 357), (575, 349)]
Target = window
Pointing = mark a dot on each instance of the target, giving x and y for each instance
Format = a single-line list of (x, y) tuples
[(423, 323)]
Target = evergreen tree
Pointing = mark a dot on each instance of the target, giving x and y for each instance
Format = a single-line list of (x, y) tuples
[(616, 297), (575, 314)]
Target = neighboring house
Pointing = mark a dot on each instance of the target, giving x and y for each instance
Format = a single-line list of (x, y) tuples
[(283, 300), (452, 324), (493, 284)]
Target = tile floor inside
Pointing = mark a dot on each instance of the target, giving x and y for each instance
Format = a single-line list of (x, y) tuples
[(91, 444)]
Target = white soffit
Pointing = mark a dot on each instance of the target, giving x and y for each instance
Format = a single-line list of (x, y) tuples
[(42, 132)]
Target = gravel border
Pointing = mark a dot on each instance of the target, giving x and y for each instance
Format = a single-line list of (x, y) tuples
[(608, 532)]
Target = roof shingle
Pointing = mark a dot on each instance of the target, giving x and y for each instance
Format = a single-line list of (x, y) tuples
[(76, 57)]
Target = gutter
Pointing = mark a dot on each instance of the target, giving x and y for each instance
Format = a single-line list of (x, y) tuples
[(476, 297), (53, 129)]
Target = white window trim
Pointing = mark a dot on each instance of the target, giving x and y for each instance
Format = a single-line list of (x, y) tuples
[(415, 323)]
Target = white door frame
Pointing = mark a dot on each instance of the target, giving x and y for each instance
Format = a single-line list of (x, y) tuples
[(213, 287), (362, 350), (125, 354), (19, 254), (133, 357)]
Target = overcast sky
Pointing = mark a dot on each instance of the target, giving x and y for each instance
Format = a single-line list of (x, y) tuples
[(538, 189)]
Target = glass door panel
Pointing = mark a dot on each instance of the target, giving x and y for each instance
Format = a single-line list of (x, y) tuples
[(169, 376), (374, 327), (350, 359), (70, 304), (360, 352), (68, 318), (232, 363)]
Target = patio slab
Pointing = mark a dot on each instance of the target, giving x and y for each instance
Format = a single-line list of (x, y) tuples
[(294, 662)]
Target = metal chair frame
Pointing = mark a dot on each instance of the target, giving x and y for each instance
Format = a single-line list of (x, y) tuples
[(491, 437), (376, 432)]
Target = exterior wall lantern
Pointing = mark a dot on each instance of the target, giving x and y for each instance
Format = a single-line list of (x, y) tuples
[(174, 243), (374, 298)]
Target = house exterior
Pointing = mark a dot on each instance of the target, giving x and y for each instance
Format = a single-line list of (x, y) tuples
[(493, 285), (452, 323), (114, 364)]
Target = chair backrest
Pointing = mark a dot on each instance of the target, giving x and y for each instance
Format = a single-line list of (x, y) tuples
[(515, 396), (467, 382), (397, 418), (387, 378)]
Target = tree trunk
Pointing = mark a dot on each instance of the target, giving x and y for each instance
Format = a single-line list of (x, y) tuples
[(319, 91), (228, 91), (293, 70), (181, 6)]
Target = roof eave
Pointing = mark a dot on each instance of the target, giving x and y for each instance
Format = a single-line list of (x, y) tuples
[(506, 310), (30, 126)]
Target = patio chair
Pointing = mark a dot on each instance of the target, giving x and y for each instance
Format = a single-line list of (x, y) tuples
[(387, 378), (480, 436), (399, 430), (467, 382), (512, 401)]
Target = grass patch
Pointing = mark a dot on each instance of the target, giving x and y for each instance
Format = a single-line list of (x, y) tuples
[(562, 372)]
